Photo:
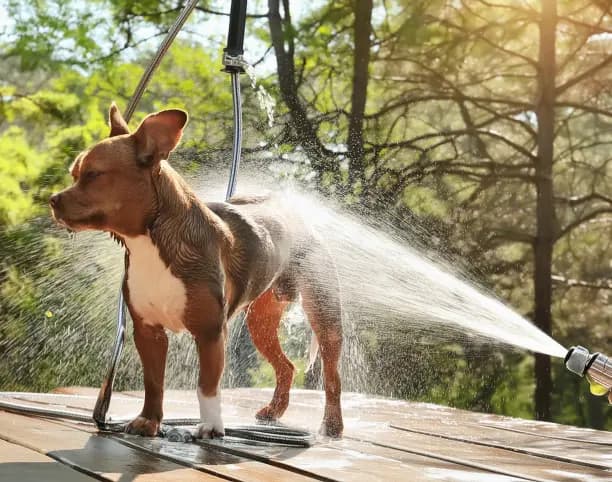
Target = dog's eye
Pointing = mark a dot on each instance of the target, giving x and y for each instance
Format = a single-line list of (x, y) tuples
[(91, 175)]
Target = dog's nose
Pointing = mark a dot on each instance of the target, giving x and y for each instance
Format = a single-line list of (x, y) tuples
[(54, 200)]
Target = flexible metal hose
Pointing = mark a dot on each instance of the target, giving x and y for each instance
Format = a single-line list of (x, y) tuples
[(159, 55), (231, 185)]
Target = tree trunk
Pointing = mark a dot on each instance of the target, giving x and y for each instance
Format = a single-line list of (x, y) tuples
[(282, 40), (362, 31), (545, 209)]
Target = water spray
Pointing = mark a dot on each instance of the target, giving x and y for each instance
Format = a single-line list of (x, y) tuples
[(596, 368)]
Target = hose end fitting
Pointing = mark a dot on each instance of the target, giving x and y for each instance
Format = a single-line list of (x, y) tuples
[(596, 368), (577, 359), (233, 63)]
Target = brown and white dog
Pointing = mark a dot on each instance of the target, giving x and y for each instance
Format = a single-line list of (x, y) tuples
[(192, 266)]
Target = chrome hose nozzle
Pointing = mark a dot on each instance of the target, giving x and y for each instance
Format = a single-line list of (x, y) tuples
[(596, 368)]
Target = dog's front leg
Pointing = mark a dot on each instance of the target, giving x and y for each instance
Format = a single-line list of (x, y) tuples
[(212, 354), (152, 345), (208, 331)]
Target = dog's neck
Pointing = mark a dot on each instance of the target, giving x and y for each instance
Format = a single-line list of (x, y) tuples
[(178, 217), (174, 197)]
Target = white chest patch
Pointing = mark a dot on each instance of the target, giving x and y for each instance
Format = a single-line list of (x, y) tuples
[(156, 294)]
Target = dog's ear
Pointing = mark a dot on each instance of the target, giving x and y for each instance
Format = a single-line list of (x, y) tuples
[(116, 122), (158, 135)]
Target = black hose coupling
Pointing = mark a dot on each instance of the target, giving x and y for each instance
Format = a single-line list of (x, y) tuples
[(232, 53)]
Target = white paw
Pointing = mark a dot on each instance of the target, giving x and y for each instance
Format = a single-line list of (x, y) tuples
[(211, 425), (206, 430)]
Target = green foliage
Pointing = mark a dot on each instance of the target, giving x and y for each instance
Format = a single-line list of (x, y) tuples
[(20, 167), (51, 33), (263, 375)]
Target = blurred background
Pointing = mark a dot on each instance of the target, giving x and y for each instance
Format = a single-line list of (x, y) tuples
[(479, 131)]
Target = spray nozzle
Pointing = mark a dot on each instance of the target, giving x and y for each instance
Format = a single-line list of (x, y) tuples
[(596, 368), (576, 360)]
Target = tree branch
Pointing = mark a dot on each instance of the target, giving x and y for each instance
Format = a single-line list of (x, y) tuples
[(582, 220), (578, 200), (361, 62), (280, 32), (601, 284), (584, 75)]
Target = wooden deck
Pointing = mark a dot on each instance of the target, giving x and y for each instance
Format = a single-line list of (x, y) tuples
[(385, 440)]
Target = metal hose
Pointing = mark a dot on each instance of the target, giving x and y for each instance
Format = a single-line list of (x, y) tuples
[(159, 55), (106, 390), (231, 184)]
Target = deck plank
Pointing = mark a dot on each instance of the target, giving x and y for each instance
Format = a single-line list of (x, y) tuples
[(21, 463), (218, 463), (92, 453), (564, 450), (371, 423), (428, 441)]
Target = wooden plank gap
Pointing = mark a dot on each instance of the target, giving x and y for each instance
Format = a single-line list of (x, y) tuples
[(453, 460), (532, 452), (541, 435)]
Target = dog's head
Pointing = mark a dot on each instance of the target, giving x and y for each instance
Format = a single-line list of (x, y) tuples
[(113, 180)]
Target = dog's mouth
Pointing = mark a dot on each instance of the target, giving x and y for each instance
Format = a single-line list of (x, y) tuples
[(73, 225)]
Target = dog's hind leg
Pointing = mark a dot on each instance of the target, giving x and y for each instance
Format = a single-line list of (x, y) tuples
[(321, 302), (263, 318)]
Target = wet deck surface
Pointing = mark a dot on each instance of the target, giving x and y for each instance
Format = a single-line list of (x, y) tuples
[(385, 440)]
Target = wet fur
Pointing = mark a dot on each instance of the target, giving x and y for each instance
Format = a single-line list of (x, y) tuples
[(251, 254)]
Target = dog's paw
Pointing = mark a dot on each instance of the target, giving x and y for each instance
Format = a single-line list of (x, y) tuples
[(267, 414), (275, 409), (210, 416), (207, 430), (143, 426), (332, 427)]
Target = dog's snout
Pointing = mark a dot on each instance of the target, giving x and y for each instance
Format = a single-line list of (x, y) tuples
[(54, 200)]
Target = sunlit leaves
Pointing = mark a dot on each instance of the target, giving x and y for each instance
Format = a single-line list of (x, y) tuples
[(49, 33), (20, 166)]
